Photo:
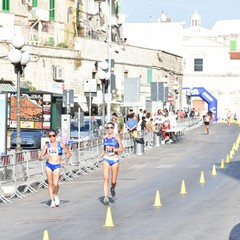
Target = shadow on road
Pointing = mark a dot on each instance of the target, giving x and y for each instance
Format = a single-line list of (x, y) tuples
[(233, 170), (235, 233)]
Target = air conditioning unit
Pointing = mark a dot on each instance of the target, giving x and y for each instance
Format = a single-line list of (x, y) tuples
[(27, 2), (57, 73), (41, 14)]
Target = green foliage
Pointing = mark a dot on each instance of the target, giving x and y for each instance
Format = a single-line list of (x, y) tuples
[(49, 44), (79, 27), (120, 123), (78, 16), (29, 85), (62, 45)]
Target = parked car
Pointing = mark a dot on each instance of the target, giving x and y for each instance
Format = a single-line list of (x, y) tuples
[(30, 139), (89, 130), (98, 119)]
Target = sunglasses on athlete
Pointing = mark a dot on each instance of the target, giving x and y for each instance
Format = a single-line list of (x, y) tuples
[(109, 127), (51, 136)]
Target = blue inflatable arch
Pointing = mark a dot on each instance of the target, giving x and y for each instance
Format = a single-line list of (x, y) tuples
[(206, 96)]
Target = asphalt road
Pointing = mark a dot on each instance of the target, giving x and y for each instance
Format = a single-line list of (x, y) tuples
[(208, 211)]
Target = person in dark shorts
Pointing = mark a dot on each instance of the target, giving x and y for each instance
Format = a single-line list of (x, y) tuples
[(207, 120)]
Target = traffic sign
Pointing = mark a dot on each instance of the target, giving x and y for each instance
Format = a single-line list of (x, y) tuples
[(170, 99)]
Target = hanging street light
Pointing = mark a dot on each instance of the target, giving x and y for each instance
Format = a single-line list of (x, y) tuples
[(19, 58), (104, 75)]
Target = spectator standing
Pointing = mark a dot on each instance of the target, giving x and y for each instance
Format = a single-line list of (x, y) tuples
[(181, 114), (131, 124), (140, 114), (144, 113), (149, 125), (148, 116), (228, 118), (235, 117), (115, 122), (192, 113), (143, 124)]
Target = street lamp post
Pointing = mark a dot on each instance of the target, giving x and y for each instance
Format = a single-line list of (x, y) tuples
[(19, 59), (189, 95), (109, 59), (176, 91), (164, 90), (104, 75)]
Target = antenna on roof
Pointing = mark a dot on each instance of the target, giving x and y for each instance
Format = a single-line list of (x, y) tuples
[(150, 11)]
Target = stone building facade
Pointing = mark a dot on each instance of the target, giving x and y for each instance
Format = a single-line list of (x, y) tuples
[(79, 65), (66, 38)]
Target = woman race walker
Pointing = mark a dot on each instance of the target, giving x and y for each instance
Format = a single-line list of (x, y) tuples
[(53, 151), (112, 146)]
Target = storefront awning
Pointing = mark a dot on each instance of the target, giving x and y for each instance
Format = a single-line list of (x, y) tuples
[(7, 87)]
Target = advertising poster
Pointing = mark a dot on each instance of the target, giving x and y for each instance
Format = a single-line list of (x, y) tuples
[(3, 123), (35, 111)]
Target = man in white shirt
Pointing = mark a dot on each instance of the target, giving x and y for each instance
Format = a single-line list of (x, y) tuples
[(115, 121)]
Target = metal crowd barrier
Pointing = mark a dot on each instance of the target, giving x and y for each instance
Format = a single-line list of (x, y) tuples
[(22, 172)]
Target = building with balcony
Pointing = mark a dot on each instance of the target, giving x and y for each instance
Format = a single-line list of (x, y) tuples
[(66, 38)]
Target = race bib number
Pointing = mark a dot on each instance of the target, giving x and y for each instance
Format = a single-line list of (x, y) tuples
[(53, 151)]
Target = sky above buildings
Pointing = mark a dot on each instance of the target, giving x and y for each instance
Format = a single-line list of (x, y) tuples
[(180, 10)]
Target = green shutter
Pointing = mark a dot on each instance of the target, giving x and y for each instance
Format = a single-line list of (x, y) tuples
[(116, 7), (52, 10), (6, 5), (35, 3), (51, 39), (149, 75), (233, 45), (34, 37)]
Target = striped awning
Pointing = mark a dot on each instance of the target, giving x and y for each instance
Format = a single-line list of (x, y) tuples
[(7, 87)]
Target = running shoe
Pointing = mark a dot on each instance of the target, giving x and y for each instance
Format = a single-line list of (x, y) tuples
[(57, 201), (106, 200), (113, 193), (52, 204)]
